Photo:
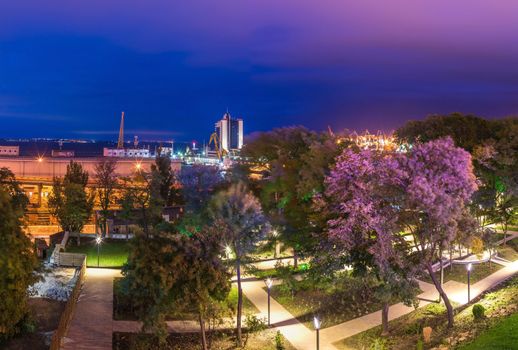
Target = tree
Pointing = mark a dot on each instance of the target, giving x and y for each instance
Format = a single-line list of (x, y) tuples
[(17, 258), (437, 183), (295, 162), (202, 279), (467, 131), (106, 181), (165, 178), (238, 212), (425, 192), (360, 190), (198, 183), (167, 271), (69, 201)]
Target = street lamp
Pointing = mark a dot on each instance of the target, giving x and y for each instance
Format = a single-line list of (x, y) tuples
[(269, 284), (317, 324), (98, 240), (468, 267), (228, 252)]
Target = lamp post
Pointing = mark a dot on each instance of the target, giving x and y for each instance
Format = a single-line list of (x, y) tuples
[(317, 324), (98, 240), (269, 284), (468, 267)]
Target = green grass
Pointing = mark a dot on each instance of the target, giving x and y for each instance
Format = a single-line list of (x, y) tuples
[(122, 308), (113, 253), (406, 331), (459, 273), (507, 253), (503, 335), (333, 304)]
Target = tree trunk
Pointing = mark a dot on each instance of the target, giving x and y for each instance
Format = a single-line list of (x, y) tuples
[(384, 319), (277, 249), (239, 302), (78, 239), (202, 330), (295, 260), (442, 295)]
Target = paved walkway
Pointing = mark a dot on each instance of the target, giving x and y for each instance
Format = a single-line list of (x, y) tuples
[(303, 338), (91, 326)]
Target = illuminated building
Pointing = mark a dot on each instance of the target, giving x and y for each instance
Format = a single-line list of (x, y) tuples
[(230, 133)]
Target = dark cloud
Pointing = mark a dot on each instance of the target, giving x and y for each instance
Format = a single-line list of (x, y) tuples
[(175, 66)]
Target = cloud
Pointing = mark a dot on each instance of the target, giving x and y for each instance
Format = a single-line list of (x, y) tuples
[(34, 116)]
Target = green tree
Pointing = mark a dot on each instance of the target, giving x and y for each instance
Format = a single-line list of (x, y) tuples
[(106, 182), (167, 271), (238, 214), (69, 200), (295, 162), (202, 278), (165, 178), (17, 258)]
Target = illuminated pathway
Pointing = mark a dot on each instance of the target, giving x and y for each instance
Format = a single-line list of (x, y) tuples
[(91, 326)]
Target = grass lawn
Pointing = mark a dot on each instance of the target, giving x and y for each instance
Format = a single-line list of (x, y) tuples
[(122, 309), (113, 253), (458, 273), (332, 304), (507, 253), (406, 331), (503, 335), (264, 340)]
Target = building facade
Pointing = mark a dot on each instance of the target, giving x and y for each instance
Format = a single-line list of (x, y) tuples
[(230, 133)]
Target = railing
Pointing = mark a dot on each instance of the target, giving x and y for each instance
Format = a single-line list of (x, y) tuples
[(67, 314)]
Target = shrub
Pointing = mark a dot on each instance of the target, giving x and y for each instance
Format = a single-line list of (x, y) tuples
[(478, 311), (379, 344), (279, 344)]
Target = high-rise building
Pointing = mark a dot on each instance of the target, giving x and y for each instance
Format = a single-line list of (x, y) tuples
[(230, 133)]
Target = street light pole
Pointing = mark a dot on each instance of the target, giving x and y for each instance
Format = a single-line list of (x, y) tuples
[(269, 284), (317, 324), (469, 284), (98, 240)]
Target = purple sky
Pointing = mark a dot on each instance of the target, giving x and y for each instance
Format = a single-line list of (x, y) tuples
[(68, 68)]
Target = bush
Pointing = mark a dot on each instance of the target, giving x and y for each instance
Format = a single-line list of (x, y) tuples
[(279, 345), (379, 344), (478, 312)]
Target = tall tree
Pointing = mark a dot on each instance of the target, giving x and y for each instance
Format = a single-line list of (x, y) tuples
[(437, 183), (202, 278), (167, 271), (295, 162), (360, 190), (239, 212), (165, 177), (198, 184), (69, 200), (106, 182), (17, 257)]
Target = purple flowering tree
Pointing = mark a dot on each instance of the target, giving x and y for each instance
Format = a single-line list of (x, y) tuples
[(361, 190), (438, 185), (374, 196)]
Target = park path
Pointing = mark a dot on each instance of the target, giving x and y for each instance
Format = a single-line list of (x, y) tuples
[(92, 325), (297, 334)]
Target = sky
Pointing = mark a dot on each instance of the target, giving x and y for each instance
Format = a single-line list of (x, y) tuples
[(68, 68)]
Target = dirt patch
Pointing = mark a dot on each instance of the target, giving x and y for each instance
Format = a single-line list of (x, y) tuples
[(46, 314)]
